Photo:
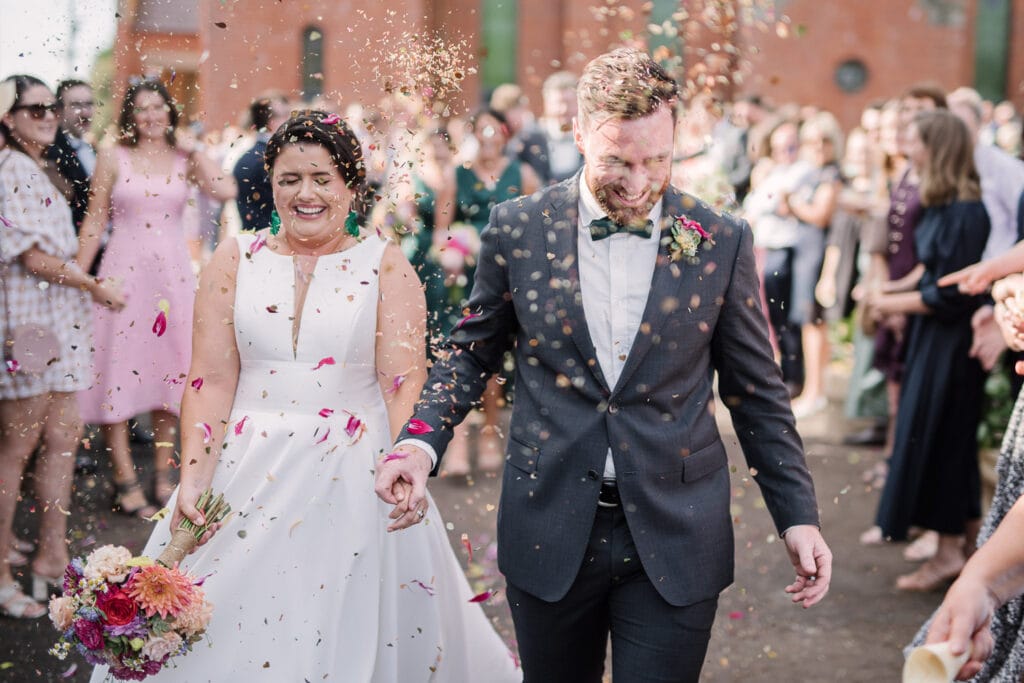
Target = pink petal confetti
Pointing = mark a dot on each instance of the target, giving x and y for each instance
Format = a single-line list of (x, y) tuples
[(329, 360), (331, 120), (482, 597), (70, 671), (261, 241), (13, 366), (419, 427), (197, 383), (396, 383), (240, 425), (465, 320), (468, 546), (353, 425), (429, 589), (173, 381), (48, 201), (395, 456), (160, 324), (7, 223), (326, 412), (688, 224), (207, 432), (736, 615), (323, 438)]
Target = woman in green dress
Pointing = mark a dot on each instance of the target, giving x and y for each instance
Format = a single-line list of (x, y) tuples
[(489, 179)]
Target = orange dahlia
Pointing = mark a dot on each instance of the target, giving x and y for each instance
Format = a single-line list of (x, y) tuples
[(160, 590)]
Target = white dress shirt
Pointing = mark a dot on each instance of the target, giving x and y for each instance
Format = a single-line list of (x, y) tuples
[(615, 279), (86, 154), (1002, 181)]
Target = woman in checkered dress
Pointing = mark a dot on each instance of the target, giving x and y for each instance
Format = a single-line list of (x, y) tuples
[(42, 285)]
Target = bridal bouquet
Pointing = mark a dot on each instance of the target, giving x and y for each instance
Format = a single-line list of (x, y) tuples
[(134, 614)]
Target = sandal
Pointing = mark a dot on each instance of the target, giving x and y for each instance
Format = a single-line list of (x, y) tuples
[(163, 488), (121, 491), (22, 546), (15, 604), (873, 536), (45, 586), (928, 578), (922, 548), (16, 558)]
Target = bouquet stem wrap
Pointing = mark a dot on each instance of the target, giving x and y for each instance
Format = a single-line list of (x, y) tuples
[(186, 537)]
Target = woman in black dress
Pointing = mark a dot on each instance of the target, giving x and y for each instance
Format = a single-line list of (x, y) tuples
[(934, 481)]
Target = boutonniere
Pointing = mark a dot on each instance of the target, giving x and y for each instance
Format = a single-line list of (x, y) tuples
[(687, 237)]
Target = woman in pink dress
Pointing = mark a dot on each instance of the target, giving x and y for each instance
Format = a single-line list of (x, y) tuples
[(142, 352)]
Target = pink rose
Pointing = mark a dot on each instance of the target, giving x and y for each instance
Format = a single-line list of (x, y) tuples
[(62, 612)]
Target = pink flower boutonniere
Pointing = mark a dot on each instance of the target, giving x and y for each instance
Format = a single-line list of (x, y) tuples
[(687, 237)]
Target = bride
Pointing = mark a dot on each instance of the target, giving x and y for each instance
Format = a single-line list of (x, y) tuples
[(308, 355)]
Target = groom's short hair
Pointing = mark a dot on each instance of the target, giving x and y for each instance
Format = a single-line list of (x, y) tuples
[(625, 84)]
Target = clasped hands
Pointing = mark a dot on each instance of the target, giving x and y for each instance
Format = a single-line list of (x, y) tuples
[(401, 480)]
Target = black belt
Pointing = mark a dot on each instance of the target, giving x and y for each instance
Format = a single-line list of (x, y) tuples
[(609, 495)]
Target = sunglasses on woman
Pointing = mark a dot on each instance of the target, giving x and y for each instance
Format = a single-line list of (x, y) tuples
[(37, 111)]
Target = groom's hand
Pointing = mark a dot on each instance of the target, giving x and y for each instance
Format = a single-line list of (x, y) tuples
[(402, 481), (812, 560)]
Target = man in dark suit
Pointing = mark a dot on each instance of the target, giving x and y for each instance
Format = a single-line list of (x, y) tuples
[(621, 297), (255, 200), (74, 156)]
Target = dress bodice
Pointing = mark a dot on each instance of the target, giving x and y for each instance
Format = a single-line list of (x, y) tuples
[(149, 200), (334, 357)]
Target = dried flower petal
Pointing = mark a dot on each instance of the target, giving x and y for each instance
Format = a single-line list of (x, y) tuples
[(329, 360), (197, 383), (394, 456), (331, 120), (429, 589), (326, 412), (396, 383), (468, 546), (323, 438), (419, 427), (465, 320), (13, 366), (482, 597), (240, 425), (207, 432), (160, 324)]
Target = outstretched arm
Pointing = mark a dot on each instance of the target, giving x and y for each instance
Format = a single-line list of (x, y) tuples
[(992, 577)]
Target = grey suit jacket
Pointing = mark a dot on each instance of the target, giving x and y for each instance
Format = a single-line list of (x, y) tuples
[(703, 315)]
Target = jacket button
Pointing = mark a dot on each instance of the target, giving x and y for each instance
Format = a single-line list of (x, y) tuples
[(591, 474), (613, 408)]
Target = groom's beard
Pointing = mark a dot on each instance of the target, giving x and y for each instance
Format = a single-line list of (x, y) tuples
[(628, 215)]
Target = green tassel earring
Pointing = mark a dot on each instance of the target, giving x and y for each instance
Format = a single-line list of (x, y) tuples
[(275, 222), (352, 224)]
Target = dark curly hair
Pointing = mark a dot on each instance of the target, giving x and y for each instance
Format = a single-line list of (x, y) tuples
[(327, 130), (126, 122)]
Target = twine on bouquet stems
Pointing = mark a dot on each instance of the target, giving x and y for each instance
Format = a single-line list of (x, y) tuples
[(186, 537)]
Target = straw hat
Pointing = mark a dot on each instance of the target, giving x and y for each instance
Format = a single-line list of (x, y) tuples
[(8, 94)]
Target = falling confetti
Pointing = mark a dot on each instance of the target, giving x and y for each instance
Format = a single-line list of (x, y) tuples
[(240, 425), (329, 360), (160, 324), (197, 383), (419, 427), (207, 432)]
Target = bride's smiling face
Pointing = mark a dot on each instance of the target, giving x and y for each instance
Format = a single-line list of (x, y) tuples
[(309, 193)]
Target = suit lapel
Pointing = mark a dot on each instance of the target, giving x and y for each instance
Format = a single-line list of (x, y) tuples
[(664, 289), (563, 237)]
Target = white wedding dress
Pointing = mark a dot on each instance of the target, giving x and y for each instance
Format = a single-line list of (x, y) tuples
[(305, 581)]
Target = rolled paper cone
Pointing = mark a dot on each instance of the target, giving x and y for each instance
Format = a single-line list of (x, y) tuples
[(933, 663), (181, 544)]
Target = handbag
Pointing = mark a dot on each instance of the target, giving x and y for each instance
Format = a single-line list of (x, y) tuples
[(30, 347)]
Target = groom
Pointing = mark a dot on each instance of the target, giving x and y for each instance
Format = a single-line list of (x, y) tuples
[(621, 297)]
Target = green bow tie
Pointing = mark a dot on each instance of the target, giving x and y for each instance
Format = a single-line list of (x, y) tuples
[(604, 227)]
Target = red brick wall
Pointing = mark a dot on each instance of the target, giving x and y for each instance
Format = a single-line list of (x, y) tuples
[(892, 37), (260, 47)]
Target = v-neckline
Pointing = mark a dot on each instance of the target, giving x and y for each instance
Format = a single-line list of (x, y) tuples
[(301, 295)]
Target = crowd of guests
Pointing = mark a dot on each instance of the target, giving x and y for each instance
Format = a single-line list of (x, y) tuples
[(881, 225)]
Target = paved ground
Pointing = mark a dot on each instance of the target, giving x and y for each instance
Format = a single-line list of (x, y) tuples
[(856, 635)]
